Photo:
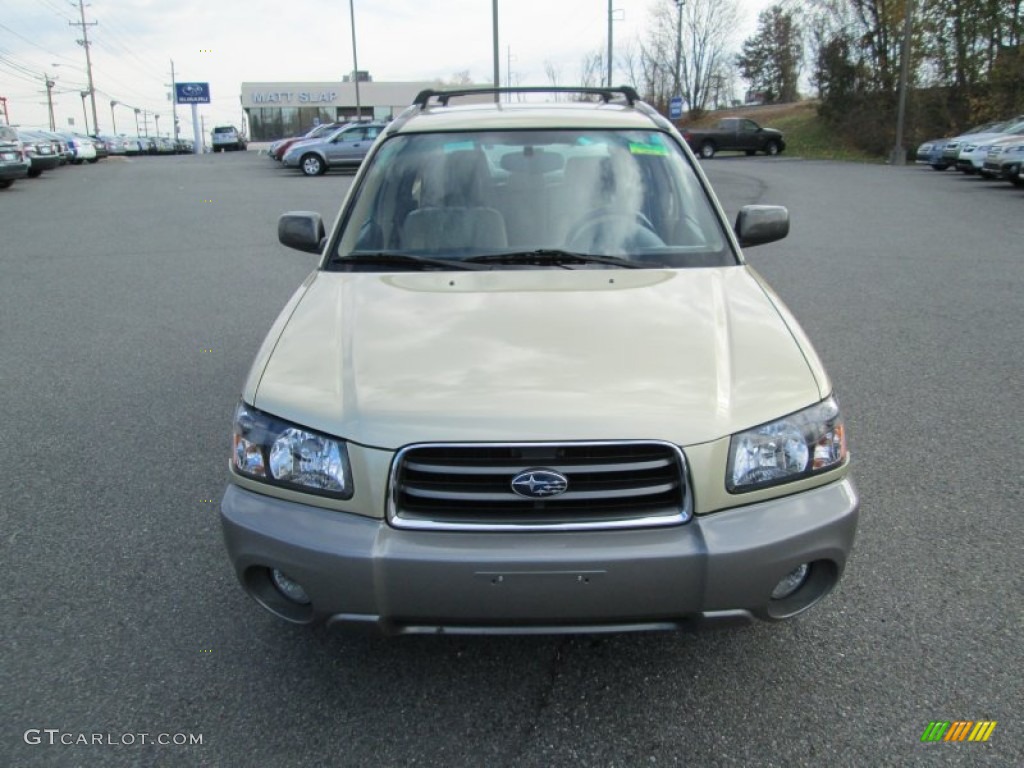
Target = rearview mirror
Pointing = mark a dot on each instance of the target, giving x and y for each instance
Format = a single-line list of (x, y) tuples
[(302, 230), (759, 224)]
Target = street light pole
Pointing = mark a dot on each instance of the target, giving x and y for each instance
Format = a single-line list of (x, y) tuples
[(494, 32), (113, 122), (49, 99), (899, 155), (157, 118), (355, 59), (85, 115), (679, 45), (610, 43)]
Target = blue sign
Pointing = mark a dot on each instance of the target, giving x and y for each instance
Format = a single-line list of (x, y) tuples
[(192, 93), (675, 107)]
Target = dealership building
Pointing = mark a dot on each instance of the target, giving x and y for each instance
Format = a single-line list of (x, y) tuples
[(276, 110)]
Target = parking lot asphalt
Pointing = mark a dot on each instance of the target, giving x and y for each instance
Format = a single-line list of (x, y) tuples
[(133, 297)]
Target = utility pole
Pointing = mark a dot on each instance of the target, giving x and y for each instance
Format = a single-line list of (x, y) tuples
[(174, 102), (3, 106), (84, 42)]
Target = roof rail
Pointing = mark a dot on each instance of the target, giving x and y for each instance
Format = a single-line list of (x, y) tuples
[(606, 94)]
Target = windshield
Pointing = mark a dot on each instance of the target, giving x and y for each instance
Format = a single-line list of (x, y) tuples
[(497, 197)]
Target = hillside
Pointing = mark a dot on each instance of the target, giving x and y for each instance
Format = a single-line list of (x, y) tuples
[(805, 133)]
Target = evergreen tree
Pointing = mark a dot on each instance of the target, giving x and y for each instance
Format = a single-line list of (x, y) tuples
[(771, 59)]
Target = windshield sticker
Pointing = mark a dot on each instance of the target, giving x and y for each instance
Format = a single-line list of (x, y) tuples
[(457, 146), (636, 148)]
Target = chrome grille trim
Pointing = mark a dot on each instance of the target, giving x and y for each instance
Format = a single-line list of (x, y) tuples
[(475, 481)]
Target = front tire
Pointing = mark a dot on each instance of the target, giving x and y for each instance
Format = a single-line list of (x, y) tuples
[(312, 165), (772, 148), (707, 150)]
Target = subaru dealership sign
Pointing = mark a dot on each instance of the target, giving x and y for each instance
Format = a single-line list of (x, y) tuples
[(192, 93)]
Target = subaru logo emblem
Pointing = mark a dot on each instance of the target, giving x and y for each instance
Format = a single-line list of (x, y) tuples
[(539, 483)]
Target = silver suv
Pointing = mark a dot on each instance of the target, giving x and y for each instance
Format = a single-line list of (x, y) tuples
[(344, 147), (533, 386), (226, 137)]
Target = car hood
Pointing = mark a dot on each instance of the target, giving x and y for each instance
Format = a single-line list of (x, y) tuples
[(302, 143), (385, 360)]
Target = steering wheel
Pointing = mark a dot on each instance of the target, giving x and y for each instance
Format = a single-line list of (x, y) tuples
[(604, 230)]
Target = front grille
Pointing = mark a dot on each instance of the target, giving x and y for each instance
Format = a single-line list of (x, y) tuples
[(609, 485)]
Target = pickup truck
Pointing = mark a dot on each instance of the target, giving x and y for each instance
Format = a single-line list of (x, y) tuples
[(734, 133)]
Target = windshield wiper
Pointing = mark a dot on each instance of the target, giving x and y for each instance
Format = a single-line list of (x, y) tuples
[(554, 256), (384, 258)]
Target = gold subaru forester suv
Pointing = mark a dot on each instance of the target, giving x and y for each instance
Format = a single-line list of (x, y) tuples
[(533, 387)]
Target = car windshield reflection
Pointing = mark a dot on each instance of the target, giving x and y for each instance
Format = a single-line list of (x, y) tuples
[(628, 196)]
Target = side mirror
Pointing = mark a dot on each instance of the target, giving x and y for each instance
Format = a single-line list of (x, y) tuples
[(759, 224), (302, 230)]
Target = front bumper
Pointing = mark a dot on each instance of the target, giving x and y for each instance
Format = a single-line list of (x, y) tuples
[(718, 567)]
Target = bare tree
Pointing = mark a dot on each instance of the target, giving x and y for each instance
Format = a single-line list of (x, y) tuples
[(703, 50), (592, 69)]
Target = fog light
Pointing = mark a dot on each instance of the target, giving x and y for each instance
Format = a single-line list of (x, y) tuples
[(791, 582), (289, 587)]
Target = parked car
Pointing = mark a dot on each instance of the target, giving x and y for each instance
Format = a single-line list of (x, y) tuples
[(278, 148), (734, 133), (13, 163), (227, 137), (344, 147), (57, 145), (551, 399), (39, 151), (165, 145), (1004, 159), (115, 144), (930, 153), (102, 150), (973, 151), (82, 148), (951, 151)]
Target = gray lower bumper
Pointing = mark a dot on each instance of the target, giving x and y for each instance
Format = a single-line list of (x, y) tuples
[(718, 567)]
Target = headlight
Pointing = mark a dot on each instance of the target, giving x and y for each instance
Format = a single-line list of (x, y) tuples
[(287, 455), (807, 442)]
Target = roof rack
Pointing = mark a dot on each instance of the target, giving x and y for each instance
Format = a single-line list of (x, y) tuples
[(606, 94)]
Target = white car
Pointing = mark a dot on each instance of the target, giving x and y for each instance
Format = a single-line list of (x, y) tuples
[(226, 137), (971, 157), (1004, 158), (83, 148)]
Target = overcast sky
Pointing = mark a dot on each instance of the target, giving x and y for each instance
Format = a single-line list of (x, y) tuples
[(227, 42)]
